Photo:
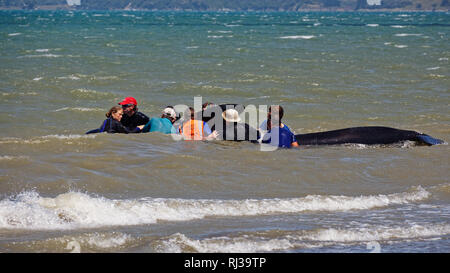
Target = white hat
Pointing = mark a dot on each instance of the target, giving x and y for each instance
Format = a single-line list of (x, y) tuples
[(231, 115), (170, 112)]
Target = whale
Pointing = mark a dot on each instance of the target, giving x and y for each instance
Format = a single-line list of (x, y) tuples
[(368, 135)]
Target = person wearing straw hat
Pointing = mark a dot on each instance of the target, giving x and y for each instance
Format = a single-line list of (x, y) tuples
[(235, 130), (164, 124)]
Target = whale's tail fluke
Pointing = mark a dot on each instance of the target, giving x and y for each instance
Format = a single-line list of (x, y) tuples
[(428, 140)]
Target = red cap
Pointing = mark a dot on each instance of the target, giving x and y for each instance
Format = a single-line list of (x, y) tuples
[(128, 100)]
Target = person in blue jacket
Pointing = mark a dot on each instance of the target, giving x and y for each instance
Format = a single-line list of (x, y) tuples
[(278, 133), (164, 124)]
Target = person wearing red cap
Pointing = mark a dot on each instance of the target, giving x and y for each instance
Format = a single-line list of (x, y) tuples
[(131, 117)]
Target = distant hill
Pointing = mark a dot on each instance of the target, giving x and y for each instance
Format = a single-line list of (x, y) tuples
[(230, 5)]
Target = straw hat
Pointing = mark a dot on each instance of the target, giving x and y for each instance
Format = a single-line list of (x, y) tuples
[(231, 115)]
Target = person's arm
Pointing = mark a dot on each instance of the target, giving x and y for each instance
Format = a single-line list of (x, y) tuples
[(212, 136), (208, 135), (206, 129), (119, 128), (294, 140), (146, 128)]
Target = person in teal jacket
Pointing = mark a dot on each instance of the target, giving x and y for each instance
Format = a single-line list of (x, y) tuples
[(164, 124)]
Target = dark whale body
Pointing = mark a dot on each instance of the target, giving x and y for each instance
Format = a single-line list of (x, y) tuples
[(369, 135)]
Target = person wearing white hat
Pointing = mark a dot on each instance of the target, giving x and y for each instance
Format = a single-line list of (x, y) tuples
[(164, 124), (235, 130)]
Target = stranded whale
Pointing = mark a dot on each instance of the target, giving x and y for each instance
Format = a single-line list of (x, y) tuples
[(369, 135)]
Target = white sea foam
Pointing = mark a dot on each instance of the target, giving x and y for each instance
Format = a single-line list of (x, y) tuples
[(381, 233), (434, 68), (13, 94), (407, 34), (40, 56), (74, 210), (71, 77), (373, 25), (43, 139), (10, 158), (401, 46), (264, 241), (78, 109), (294, 37), (178, 242), (96, 240), (398, 26), (14, 34)]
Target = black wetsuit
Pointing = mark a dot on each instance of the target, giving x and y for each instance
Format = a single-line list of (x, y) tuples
[(235, 131), (111, 125), (135, 120)]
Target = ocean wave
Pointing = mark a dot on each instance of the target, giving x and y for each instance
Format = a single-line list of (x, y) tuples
[(19, 94), (75, 210), (78, 109), (41, 56), (89, 93), (294, 37), (43, 139), (301, 239), (82, 243), (11, 158), (407, 34)]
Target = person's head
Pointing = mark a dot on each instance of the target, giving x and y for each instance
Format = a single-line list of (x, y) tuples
[(115, 112), (231, 115), (129, 106), (274, 116), (169, 113), (206, 104), (190, 113)]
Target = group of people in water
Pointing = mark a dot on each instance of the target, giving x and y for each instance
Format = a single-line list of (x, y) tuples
[(125, 118)]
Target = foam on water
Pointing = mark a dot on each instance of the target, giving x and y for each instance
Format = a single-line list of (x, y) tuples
[(75, 210), (41, 56), (265, 241), (43, 139), (294, 37), (9, 158), (78, 109), (407, 34)]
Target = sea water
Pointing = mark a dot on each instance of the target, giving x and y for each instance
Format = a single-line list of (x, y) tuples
[(63, 191)]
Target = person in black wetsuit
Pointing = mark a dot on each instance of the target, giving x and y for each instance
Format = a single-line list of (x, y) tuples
[(131, 117), (112, 123), (234, 130)]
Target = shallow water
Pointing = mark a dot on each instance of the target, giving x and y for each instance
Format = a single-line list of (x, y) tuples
[(61, 71)]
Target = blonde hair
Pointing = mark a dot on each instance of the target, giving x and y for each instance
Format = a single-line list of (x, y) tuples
[(113, 110)]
